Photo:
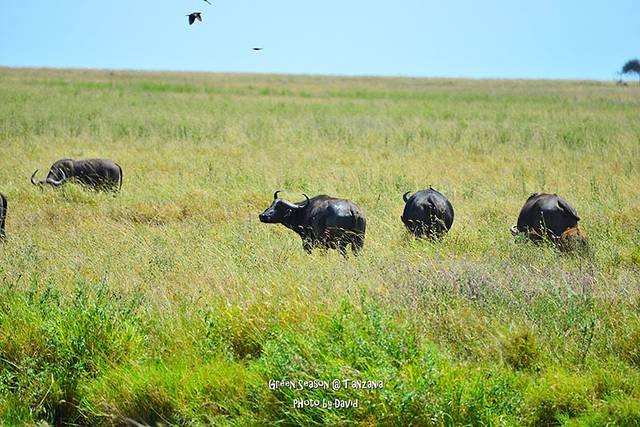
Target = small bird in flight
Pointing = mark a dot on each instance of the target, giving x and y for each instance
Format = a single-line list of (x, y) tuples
[(207, 1), (193, 16), (258, 48)]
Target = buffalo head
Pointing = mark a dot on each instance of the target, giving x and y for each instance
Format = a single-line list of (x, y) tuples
[(281, 209), (55, 177)]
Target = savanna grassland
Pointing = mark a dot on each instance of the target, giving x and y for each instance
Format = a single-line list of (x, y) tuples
[(170, 303)]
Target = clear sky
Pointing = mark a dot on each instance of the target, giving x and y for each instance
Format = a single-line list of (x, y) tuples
[(586, 39)]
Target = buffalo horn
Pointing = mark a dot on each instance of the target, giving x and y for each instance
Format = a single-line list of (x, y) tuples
[(305, 203), (33, 176), (60, 181)]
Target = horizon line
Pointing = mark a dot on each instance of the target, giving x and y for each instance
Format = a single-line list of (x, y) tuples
[(311, 74)]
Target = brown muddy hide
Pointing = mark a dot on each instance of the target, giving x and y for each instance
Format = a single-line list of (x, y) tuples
[(573, 240)]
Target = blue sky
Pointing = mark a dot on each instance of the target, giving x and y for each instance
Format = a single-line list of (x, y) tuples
[(562, 39)]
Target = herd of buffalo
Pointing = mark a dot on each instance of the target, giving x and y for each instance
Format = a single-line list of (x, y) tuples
[(329, 223)]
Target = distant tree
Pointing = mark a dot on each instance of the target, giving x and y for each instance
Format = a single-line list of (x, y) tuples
[(632, 66)]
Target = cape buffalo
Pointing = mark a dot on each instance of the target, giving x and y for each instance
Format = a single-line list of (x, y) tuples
[(550, 216), (3, 214), (100, 174), (322, 221), (427, 213)]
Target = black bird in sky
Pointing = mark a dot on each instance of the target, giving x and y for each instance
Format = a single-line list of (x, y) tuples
[(207, 1), (258, 48), (193, 16)]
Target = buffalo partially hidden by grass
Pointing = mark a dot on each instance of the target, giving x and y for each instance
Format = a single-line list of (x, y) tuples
[(427, 213), (552, 217), (99, 174), (323, 221)]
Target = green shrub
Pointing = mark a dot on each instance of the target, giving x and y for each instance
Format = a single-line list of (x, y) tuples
[(520, 350), (556, 396), (621, 412)]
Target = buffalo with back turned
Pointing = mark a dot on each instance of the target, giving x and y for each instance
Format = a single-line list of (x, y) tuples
[(549, 216), (323, 221), (427, 213), (99, 174), (3, 214)]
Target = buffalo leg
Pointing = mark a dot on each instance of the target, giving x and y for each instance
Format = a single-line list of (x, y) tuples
[(342, 247), (356, 244)]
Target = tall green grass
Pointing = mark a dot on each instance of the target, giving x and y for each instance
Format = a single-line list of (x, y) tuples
[(171, 304)]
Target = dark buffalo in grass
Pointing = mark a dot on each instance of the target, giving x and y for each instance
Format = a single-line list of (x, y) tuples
[(99, 174), (427, 213), (549, 216), (3, 214), (323, 222)]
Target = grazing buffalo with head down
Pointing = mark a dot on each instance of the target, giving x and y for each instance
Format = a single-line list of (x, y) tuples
[(427, 213), (550, 216), (100, 174), (3, 214), (322, 221)]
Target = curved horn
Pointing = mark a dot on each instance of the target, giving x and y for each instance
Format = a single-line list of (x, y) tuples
[(33, 176), (305, 203), (60, 181), (275, 195), (404, 196), (514, 230)]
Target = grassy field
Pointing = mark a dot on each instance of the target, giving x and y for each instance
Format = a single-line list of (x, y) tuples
[(170, 303)]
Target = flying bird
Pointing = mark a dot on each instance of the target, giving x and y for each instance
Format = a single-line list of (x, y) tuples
[(207, 1), (258, 48), (193, 16)]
